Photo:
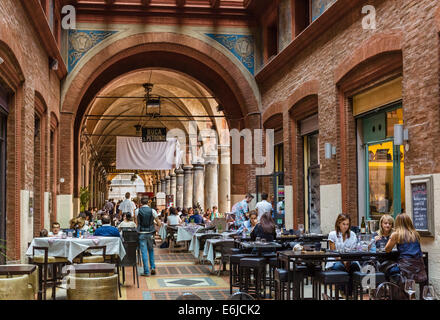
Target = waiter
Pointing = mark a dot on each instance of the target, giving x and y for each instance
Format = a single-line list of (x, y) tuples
[(127, 206)]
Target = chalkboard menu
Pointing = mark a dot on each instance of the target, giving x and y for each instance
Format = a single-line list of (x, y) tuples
[(422, 205)]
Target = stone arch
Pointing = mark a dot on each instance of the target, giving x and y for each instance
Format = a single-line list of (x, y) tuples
[(180, 53), (376, 45)]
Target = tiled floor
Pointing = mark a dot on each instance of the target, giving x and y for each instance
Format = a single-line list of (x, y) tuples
[(177, 273)]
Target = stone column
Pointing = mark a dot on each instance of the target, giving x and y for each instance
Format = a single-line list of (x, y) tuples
[(173, 187), (199, 185), (163, 186), (168, 185), (188, 187), (158, 189), (211, 185), (179, 188), (154, 188), (224, 183)]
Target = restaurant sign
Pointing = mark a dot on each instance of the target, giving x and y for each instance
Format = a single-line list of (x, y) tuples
[(422, 205), (154, 134)]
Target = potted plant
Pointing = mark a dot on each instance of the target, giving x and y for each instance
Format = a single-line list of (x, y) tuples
[(84, 198)]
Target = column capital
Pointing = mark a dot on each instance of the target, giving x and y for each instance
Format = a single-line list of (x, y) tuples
[(199, 166), (188, 168), (179, 171)]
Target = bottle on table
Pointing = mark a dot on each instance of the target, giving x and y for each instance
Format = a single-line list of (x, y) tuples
[(363, 228)]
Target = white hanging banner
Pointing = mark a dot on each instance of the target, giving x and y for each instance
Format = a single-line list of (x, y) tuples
[(133, 154)]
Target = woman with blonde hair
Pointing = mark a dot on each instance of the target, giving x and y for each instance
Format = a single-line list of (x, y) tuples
[(407, 239), (386, 224)]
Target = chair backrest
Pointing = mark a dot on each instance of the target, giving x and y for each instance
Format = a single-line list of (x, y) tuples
[(17, 288), (219, 246), (188, 296), (104, 288), (45, 254), (130, 254), (241, 296), (130, 234)]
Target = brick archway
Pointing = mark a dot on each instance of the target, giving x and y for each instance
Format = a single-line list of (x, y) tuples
[(376, 45), (180, 53)]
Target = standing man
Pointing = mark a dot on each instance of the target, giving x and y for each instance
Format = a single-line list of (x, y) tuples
[(145, 219), (240, 210), (127, 206), (263, 206)]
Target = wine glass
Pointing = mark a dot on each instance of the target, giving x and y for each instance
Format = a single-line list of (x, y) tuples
[(428, 293), (410, 288)]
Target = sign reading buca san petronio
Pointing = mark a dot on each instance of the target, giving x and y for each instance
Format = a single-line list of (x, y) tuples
[(154, 134)]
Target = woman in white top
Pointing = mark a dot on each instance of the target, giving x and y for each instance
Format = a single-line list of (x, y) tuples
[(127, 223), (343, 238), (173, 218)]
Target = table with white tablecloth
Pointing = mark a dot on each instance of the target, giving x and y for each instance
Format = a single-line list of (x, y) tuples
[(194, 246), (163, 231), (70, 248), (186, 233), (208, 251)]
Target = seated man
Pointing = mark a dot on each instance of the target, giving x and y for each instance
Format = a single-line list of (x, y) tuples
[(56, 230), (107, 230), (196, 217)]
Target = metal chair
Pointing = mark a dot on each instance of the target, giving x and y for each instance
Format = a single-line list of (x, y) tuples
[(171, 236), (241, 296), (188, 296), (130, 260), (390, 291)]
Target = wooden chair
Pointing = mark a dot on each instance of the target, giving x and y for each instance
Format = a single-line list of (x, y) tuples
[(92, 258), (130, 260), (171, 236), (44, 262)]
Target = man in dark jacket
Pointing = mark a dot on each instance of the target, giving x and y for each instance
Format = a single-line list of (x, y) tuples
[(145, 219)]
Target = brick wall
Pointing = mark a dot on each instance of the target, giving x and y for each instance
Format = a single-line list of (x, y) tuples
[(404, 25), (24, 52)]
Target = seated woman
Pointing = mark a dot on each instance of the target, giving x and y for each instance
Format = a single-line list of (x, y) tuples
[(407, 239), (127, 223), (265, 229), (249, 225), (386, 224), (207, 217), (343, 238), (173, 218)]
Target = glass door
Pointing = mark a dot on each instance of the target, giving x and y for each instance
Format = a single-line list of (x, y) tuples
[(384, 169)]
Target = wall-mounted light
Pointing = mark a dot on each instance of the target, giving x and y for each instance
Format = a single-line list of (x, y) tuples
[(330, 150), (400, 135), (62, 180)]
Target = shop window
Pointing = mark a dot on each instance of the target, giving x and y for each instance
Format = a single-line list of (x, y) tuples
[(385, 189)]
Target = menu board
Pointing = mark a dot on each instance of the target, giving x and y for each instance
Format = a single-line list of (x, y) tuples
[(419, 193)]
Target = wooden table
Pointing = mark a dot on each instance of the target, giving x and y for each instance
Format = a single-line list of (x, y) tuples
[(13, 270), (94, 268), (260, 246)]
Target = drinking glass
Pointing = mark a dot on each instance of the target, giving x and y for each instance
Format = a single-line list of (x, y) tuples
[(382, 246), (263, 240), (410, 288), (70, 234), (428, 293), (257, 240), (301, 228)]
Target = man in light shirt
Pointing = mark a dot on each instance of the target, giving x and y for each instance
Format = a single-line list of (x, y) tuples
[(263, 206), (127, 206)]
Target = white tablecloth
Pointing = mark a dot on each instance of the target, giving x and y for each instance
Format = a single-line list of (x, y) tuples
[(71, 247), (208, 252), (163, 231), (185, 233)]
